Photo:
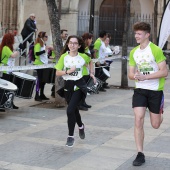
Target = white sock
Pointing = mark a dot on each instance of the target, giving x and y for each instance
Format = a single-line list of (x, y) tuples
[(81, 127), (71, 136)]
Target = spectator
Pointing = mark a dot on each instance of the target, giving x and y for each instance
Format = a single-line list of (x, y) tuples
[(29, 27), (64, 35)]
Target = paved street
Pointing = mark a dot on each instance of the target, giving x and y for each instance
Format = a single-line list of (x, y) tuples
[(34, 137)]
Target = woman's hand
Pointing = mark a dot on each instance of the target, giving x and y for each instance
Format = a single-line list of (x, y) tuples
[(50, 48), (98, 64), (93, 77), (71, 70), (46, 48)]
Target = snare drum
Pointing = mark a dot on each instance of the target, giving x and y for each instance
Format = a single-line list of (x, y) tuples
[(104, 75), (8, 77), (94, 87), (25, 84), (7, 93), (49, 75)]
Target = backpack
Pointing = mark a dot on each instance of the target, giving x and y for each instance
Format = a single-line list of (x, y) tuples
[(31, 54)]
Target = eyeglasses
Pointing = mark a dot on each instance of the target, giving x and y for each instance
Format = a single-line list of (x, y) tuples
[(73, 43), (46, 36)]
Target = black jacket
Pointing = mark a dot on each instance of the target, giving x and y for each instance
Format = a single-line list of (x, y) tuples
[(68, 89), (29, 27)]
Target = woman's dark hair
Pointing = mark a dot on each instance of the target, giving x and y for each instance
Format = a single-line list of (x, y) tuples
[(39, 38), (8, 40), (86, 36), (80, 42)]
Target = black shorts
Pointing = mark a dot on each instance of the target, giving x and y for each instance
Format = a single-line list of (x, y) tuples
[(153, 100)]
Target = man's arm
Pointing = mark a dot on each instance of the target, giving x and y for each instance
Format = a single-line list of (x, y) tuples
[(131, 74), (95, 53), (162, 72)]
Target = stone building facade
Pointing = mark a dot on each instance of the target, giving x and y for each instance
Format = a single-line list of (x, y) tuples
[(15, 12)]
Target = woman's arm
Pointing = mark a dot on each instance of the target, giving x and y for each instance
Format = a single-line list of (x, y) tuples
[(64, 72), (91, 67), (14, 54)]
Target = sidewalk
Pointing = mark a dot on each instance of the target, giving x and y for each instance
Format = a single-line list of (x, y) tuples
[(33, 138)]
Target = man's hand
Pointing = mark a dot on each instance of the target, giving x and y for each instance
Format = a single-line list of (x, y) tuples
[(139, 76)]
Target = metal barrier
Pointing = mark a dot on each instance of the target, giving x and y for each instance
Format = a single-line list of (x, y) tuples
[(20, 58)]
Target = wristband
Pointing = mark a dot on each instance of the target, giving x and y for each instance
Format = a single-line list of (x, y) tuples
[(66, 72)]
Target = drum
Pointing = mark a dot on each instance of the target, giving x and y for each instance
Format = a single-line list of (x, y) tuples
[(94, 87), (49, 75), (8, 77), (104, 75), (25, 84), (7, 93)]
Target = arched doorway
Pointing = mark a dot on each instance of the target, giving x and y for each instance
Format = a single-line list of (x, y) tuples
[(111, 19)]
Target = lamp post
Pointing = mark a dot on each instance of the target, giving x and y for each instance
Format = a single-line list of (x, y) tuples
[(91, 24)]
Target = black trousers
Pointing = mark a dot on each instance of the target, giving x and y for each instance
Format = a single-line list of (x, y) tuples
[(30, 39), (86, 78), (41, 84), (73, 114)]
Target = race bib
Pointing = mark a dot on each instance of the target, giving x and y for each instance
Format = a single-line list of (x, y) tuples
[(76, 75)]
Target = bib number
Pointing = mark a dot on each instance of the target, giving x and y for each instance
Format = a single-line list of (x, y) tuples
[(75, 73)]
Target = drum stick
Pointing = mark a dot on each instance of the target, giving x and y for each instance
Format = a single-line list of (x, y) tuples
[(110, 58)]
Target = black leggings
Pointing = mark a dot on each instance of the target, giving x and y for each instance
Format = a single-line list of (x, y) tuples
[(41, 83), (73, 114)]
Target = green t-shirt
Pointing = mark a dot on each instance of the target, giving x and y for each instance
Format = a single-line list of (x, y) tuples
[(146, 61), (97, 46), (6, 54), (66, 62), (85, 67), (37, 48)]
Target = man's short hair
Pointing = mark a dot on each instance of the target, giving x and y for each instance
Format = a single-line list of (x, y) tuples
[(102, 34), (143, 26), (63, 30), (32, 15)]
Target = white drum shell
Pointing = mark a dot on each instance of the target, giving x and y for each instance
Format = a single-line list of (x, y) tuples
[(4, 84)]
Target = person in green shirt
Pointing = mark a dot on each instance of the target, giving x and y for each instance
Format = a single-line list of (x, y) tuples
[(99, 53), (7, 57), (70, 67), (40, 51), (147, 67), (87, 38)]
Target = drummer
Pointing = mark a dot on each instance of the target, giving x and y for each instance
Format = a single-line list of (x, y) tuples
[(7, 55), (108, 51), (87, 38), (99, 53), (40, 51), (52, 56)]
